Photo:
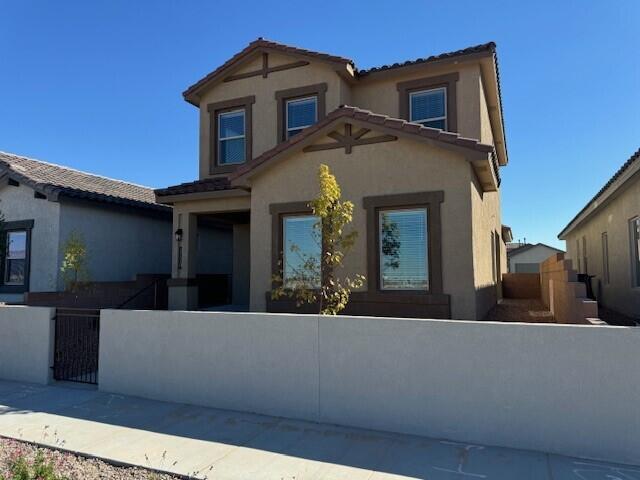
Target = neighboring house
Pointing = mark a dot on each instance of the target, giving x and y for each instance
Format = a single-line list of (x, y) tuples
[(124, 230), (416, 146), (528, 257), (603, 240)]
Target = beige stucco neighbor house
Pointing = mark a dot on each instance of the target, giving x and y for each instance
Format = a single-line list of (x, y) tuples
[(603, 240), (415, 146)]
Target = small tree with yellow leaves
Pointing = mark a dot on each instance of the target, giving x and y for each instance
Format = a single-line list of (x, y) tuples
[(74, 262), (316, 280)]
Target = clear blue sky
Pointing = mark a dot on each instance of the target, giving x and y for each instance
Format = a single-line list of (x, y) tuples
[(97, 85)]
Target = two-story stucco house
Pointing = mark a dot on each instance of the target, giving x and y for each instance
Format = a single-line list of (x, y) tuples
[(416, 145)]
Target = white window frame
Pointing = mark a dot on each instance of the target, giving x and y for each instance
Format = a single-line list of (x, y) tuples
[(8, 257), (236, 137), (634, 252), (286, 113), (433, 119), (423, 211)]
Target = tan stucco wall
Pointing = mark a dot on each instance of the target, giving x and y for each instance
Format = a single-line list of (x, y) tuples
[(486, 218), (614, 219), (264, 110), (403, 166), (381, 96)]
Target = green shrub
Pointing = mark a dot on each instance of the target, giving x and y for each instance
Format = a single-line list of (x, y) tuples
[(40, 469)]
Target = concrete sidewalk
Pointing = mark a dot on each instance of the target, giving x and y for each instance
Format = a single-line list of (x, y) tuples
[(220, 444)]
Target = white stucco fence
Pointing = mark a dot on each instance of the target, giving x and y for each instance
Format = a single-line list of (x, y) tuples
[(26, 336), (565, 389)]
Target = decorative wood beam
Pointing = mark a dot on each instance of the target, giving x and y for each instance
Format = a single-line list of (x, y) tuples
[(266, 69), (349, 140)]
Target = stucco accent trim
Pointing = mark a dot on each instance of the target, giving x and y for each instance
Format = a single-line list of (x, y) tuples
[(348, 140), (447, 81), (374, 301), (214, 110), (471, 149), (318, 89), (429, 200), (266, 70), (342, 66)]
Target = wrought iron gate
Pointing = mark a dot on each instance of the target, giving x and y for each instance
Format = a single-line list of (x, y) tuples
[(76, 343)]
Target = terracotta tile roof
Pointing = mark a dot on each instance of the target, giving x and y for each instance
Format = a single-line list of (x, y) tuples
[(262, 43), (368, 117), (635, 157), (50, 179), (485, 47), (205, 185)]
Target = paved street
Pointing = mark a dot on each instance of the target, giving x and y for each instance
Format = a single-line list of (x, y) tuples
[(220, 444)]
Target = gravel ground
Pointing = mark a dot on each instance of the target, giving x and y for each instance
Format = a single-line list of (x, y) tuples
[(71, 466)]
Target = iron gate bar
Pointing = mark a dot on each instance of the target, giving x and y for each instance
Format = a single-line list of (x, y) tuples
[(76, 344)]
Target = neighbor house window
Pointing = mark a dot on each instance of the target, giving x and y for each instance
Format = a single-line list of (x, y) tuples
[(403, 252), (579, 269), (635, 250), (301, 251), (231, 137), (301, 113), (15, 258), (605, 258), (429, 107)]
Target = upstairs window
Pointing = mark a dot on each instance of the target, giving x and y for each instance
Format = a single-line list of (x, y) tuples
[(231, 137), (302, 251), (16, 258), (301, 113), (429, 107), (403, 256)]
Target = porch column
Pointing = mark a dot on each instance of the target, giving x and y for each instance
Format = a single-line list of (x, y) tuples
[(183, 288)]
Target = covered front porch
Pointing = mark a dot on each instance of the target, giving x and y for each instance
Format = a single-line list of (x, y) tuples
[(211, 246)]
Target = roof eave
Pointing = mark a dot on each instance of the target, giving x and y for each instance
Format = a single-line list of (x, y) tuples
[(171, 199), (404, 69), (631, 174)]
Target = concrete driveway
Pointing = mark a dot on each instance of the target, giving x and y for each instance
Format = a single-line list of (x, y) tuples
[(220, 444)]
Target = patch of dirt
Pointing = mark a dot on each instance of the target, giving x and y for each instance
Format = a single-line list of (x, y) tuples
[(520, 310)]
